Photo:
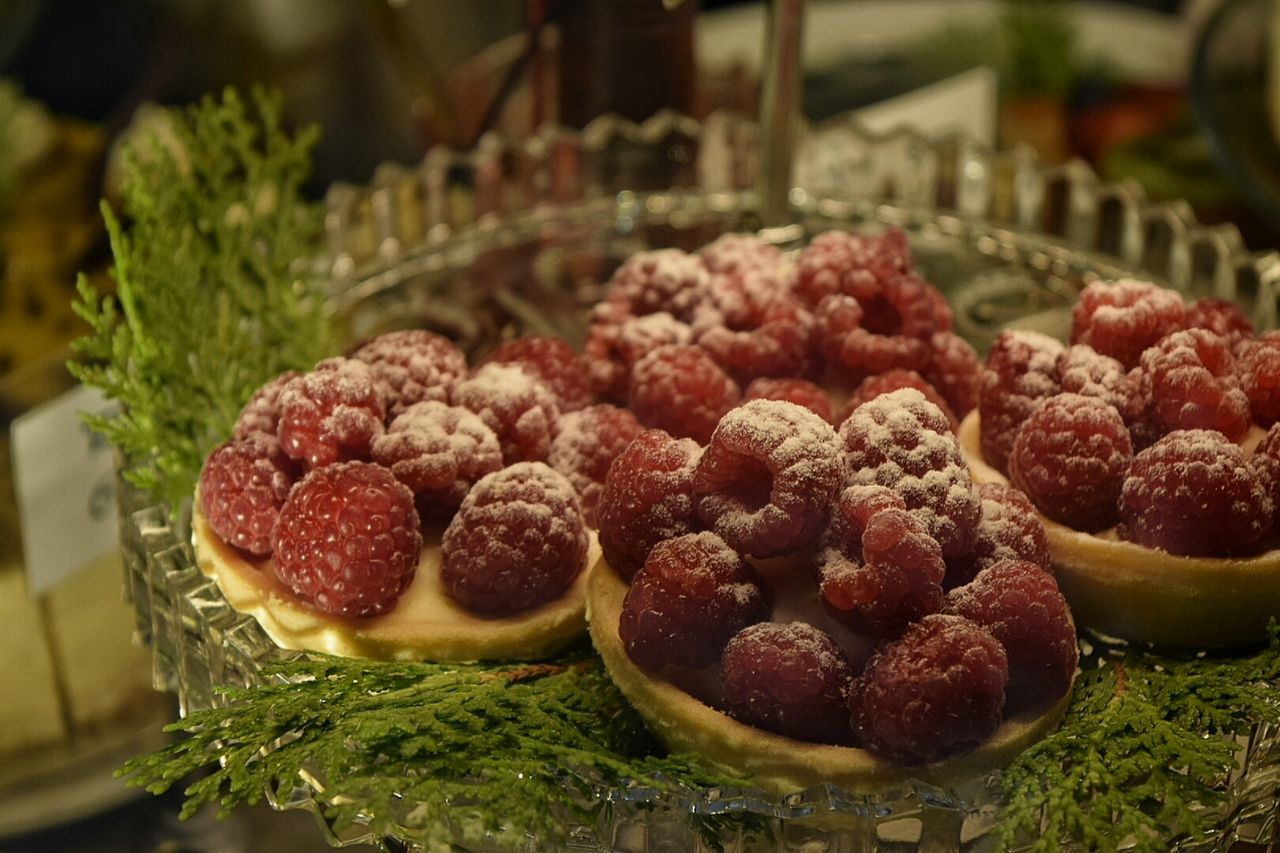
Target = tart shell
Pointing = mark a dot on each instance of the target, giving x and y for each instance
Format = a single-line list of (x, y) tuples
[(776, 763), (424, 624), (1131, 592)]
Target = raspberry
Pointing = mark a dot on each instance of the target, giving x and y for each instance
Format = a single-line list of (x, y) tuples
[(1083, 370), (1071, 457), (555, 363), (881, 569), (1193, 493), (439, 452), (243, 484), (413, 365), (647, 497), (802, 392), (936, 691), (1193, 382), (333, 413), (766, 478), (262, 413), (520, 409), (606, 371), (586, 445), (1221, 316), (903, 441), (893, 380), (518, 541), (1022, 608), (692, 595), (954, 369), (682, 390), (841, 262), (639, 336), (347, 539), (660, 280), (790, 679), (1021, 370), (730, 253), (1266, 467), (846, 340), (1010, 529), (1123, 318), (770, 337), (1259, 371)]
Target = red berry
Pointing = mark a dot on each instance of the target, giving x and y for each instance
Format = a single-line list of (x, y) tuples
[(847, 342), (692, 595), (660, 280), (1221, 316), (767, 477), (1071, 457), (1021, 370), (648, 497), (334, 413), (935, 692), (1123, 318), (243, 484), (262, 413), (841, 262), (682, 390), (518, 541), (767, 336), (1010, 529), (639, 336), (586, 445), (790, 679), (413, 365), (1193, 382), (347, 539), (731, 253), (1194, 493), (1259, 371), (606, 373), (955, 370), (893, 380), (520, 409), (1083, 370), (554, 362), (1022, 607), (802, 392)]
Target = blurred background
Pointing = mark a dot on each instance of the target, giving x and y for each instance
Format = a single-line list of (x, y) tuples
[(1176, 96)]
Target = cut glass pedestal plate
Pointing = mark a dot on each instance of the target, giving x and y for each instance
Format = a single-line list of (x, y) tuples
[(517, 237)]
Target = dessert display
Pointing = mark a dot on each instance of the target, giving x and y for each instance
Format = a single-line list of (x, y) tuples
[(1148, 446)]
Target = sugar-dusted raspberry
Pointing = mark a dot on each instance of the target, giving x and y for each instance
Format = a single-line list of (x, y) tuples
[(802, 392), (347, 539), (660, 280), (639, 336), (879, 569), (1021, 605), (1085, 371), (1222, 316), (413, 365), (731, 253), (767, 477), (516, 406), (842, 262), (1193, 493), (1123, 318), (518, 541), (1193, 382), (243, 484), (682, 390), (692, 595), (791, 679), (586, 445), (903, 441), (606, 372), (553, 361), (262, 413), (893, 380), (935, 692), (772, 337), (1259, 371), (1010, 529), (647, 497), (955, 370), (1265, 464), (1071, 457), (438, 451), (846, 339), (334, 413), (1021, 370)]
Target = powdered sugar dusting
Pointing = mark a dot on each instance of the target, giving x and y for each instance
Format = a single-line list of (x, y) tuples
[(520, 409)]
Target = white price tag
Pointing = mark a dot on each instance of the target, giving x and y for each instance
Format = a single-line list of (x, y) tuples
[(64, 480)]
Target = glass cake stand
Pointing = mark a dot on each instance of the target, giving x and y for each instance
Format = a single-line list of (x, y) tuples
[(516, 236)]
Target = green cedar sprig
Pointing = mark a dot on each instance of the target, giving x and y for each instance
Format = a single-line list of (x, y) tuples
[(477, 752), (1143, 752), (214, 292)]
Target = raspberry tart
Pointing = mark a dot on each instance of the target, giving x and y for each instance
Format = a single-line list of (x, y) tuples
[(399, 504), (1141, 444)]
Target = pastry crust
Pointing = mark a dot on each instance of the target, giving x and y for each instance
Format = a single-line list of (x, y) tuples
[(776, 763), (424, 624), (1132, 592)]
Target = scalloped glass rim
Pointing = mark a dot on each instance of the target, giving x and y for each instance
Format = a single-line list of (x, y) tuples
[(1009, 240)]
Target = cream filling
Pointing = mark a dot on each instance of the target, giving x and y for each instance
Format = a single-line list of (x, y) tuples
[(1133, 592), (774, 762), (424, 624)]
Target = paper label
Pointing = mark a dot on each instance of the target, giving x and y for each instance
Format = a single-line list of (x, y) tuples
[(64, 481)]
